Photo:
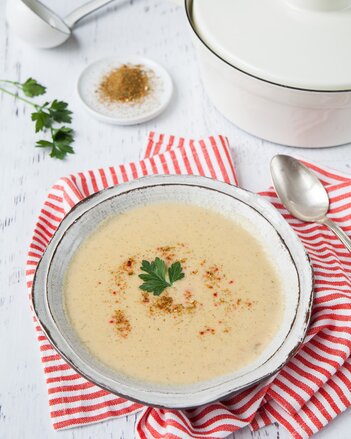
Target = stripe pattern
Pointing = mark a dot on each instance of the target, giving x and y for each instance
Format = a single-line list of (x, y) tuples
[(72, 399), (310, 390)]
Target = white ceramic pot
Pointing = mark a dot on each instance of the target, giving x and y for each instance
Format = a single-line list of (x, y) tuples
[(306, 111)]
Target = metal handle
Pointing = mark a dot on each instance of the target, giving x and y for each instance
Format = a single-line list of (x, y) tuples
[(84, 10), (338, 232)]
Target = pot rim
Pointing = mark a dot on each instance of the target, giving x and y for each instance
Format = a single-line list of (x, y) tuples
[(188, 10)]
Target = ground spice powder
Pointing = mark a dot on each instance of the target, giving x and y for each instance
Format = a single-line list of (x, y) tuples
[(128, 83), (123, 327)]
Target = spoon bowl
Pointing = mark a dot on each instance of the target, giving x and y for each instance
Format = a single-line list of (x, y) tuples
[(299, 189), (40, 27), (303, 194), (36, 24)]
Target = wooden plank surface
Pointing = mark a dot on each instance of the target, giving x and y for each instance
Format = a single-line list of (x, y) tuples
[(152, 28)]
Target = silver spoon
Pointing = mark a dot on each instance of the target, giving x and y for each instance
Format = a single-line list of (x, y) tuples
[(302, 194), (39, 26)]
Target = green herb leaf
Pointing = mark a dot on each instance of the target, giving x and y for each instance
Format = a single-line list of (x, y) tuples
[(61, 145), (59, 112), (44, 144), (175, 272), (47, 117), (32, 88), (155, 280), (154, 286), (63, 135), (42, 120), (62, 141), (160, 268)]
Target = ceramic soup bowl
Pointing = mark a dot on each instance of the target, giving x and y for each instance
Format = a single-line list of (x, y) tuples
[(254, 213)]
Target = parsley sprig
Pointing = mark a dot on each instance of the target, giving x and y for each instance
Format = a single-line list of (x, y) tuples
[(48, 117), (155, 279)]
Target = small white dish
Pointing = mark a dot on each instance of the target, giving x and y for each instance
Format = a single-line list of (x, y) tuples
[(124, 113)]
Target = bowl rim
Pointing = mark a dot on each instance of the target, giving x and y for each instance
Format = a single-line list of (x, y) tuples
[(41, 305)]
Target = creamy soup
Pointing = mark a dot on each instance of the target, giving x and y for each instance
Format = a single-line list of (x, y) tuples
[(215, 320)]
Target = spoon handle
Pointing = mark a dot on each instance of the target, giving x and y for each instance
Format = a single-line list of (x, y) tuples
[(338, 232), (84, 10)]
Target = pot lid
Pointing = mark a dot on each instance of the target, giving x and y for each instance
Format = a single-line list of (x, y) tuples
[(304, 44)]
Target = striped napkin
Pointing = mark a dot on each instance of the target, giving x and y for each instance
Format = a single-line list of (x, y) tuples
[(311, 390)]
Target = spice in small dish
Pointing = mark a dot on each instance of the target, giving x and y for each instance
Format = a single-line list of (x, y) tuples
[(127, 83), (125, 91)]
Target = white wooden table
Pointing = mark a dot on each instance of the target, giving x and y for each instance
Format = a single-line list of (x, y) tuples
[(152, 28)]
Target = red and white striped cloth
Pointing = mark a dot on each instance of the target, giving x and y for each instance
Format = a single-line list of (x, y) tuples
[(311, 390)]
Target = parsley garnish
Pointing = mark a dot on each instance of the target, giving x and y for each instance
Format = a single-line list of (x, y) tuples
[(31, 88), (155, 280), (50, 116)]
